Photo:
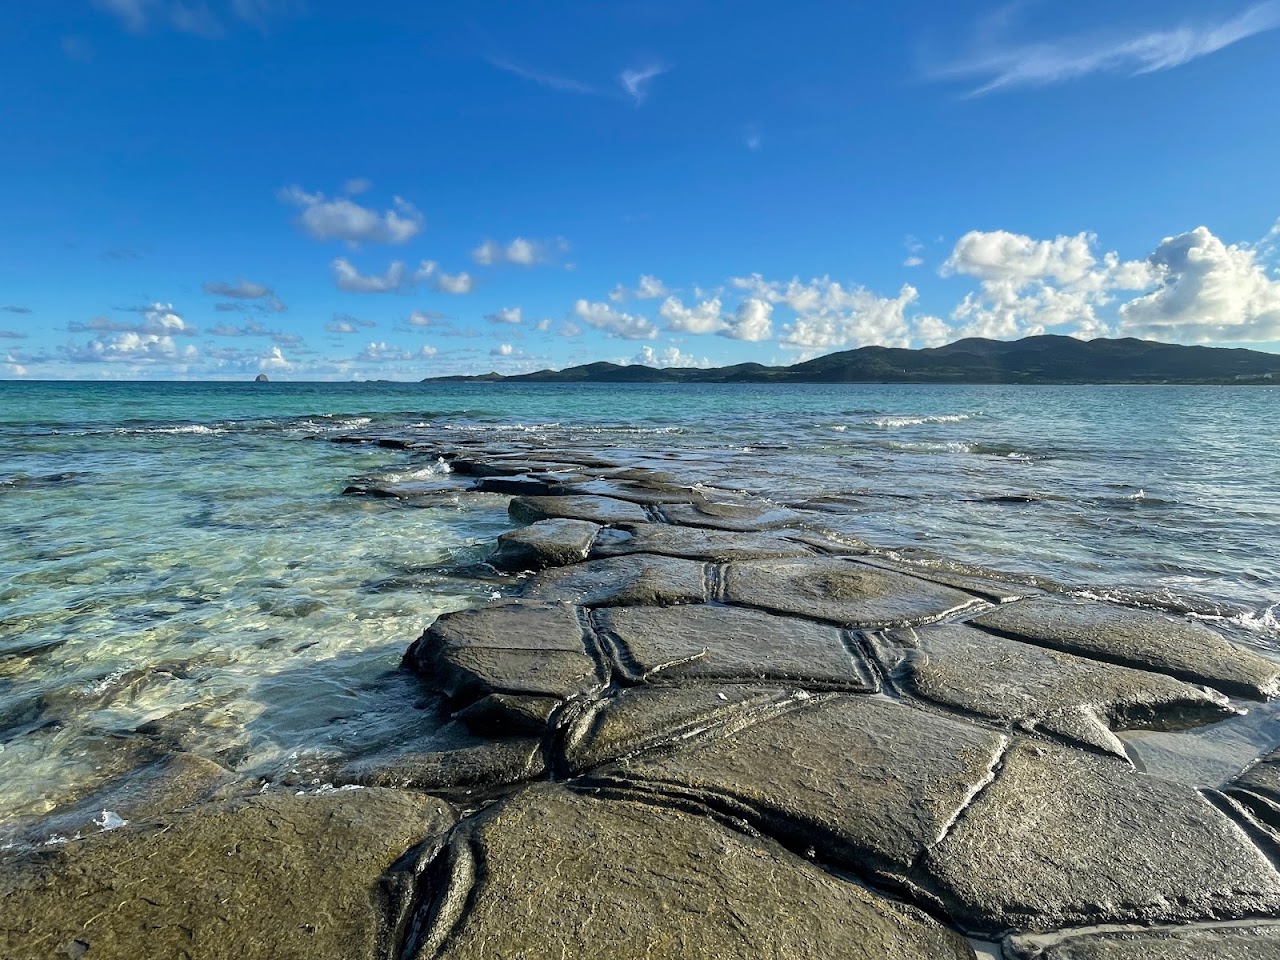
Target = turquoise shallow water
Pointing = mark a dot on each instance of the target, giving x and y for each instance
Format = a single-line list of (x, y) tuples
[(179, 565)]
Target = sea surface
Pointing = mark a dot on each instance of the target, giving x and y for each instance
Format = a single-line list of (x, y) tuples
[(179, 567)]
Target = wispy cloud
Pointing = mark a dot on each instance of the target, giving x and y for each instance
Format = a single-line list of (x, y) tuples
[(636, 81), (553, 82), (1005, 67)]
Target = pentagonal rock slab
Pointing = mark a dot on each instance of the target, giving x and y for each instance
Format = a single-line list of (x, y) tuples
[(1137, 638), (700, 642), (841, 591), (1073, 697), (636, 579), (868, 782), (632, 881), (278, 876), (534, 650), (1244, 941), (1062, 838), (601, 510)]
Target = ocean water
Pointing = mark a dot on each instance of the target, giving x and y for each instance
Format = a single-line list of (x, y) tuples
[(179, 567)]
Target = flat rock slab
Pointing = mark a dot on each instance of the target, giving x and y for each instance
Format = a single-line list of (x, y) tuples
[(868, 782), (646, 491), (1064, 839), (742, 515), (700, 642), (1244, 941), (636, 579), (547, 543), (1137, 638), (643, 718), (696, 543), (1072, 697), (278, 876), (601, 510), (841, 591), (535, 650), (633, 881)]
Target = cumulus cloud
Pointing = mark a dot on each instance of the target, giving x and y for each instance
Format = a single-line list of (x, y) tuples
[(343, 219), (456, 283), (704, 317), (1206, 291), (382, 351), (502, 350), (507, 315), (828, 316), (398, 278), (648, 288), (670, 357), (274, 361), (130, 347), (1004, 66), (614, 322), (158, 319), (751, 321), (1028, 285), (636, 81)]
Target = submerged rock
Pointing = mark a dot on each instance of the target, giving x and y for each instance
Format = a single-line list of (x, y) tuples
[(1064, 839), (1077, 699), (1137, 638), (277, 876), (635, 881)]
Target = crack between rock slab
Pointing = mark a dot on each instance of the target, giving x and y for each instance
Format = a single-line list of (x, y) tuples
[(994, 766), (447, 888), (1043, 941), (1256, 833)]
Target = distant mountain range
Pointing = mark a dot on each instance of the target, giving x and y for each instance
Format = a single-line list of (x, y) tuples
[(1044, 359)]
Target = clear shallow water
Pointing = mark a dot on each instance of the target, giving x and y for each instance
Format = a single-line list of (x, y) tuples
[(179, 568)]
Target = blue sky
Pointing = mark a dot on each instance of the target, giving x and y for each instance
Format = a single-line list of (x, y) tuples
[(326, 190)]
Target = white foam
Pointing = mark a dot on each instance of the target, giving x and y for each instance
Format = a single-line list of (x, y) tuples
[(895, 422), (109, 820)]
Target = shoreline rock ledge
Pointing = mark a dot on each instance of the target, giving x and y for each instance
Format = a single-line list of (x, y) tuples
[(701, 725)]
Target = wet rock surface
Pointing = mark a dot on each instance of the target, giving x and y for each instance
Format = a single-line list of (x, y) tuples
[(696, 724), (619, 879), (277, 876), (1077, 699), (1137, 638)]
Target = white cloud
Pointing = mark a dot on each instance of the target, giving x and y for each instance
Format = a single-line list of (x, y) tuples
[(751, 321), (614, 322), (1206, 291), (457, 283), (670, 357), (520, 251), (1004, 67), (543, 325), (382, 351), (551, 81), (502, 350), (704, 317), (427, 352), (353, 281), (144, 348), (932, 331), (274, 361), (511, 315), (913, 261), (648, 288), (427, 318), (636, 81), (828, 316), (1027, 285), (344, 219)]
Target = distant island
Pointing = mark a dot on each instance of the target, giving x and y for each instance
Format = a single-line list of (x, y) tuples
[(1043, 359)]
